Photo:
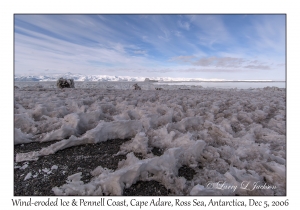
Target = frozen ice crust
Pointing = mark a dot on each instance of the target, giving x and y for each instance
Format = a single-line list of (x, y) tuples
[(229, 137)]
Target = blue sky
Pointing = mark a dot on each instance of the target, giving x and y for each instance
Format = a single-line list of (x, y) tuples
[(191, 46)]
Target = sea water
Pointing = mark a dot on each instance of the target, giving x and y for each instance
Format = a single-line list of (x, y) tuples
[(165, 85), (228, 85)]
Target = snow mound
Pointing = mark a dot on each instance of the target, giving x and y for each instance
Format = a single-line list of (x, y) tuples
[(21, 138)]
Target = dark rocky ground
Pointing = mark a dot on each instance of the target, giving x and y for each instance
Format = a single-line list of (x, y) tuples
[(83, 158)]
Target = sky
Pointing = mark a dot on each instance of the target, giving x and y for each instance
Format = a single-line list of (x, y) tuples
[(232, 47)]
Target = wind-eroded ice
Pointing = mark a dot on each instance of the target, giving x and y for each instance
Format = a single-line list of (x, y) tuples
[(229, 137)]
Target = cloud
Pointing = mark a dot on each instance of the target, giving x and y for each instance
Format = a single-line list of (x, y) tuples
[(118, 47), (224, 62), (161, 71), (221, 64), (199, 70), (183, 58), (140, 52), (257, 67), (43, 51), (212, 29), (164, 38), (255, 62), (111, 44), (184, 25), (268, 33), (214, 70), (166, 35), (178, 33)]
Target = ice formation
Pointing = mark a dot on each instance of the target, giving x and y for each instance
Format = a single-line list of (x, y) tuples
[(229, 137), (28, 176)]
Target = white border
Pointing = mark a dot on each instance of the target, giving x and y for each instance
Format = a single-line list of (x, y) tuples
[(8, 8)]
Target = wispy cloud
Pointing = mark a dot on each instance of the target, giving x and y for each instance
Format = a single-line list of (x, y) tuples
[(257, 67), (140, 52), (266, 34), (183, 58), (225, 63), (212, 29), (142, 45), (210, 70), (220, 62), (184, 25)]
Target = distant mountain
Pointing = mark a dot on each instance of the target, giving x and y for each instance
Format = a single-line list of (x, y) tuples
[(108, 78), (76, 77)]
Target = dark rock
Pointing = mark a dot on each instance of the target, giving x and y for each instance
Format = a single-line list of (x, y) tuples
[(65, 83), (186, 172), (136, 87), (157, 151), (146, 188), (82, 158)]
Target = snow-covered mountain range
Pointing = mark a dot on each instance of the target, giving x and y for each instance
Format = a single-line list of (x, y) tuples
[(77, 77), (108, 78)]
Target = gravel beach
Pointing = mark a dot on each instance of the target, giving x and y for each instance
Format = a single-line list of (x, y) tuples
[(83, 158)]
